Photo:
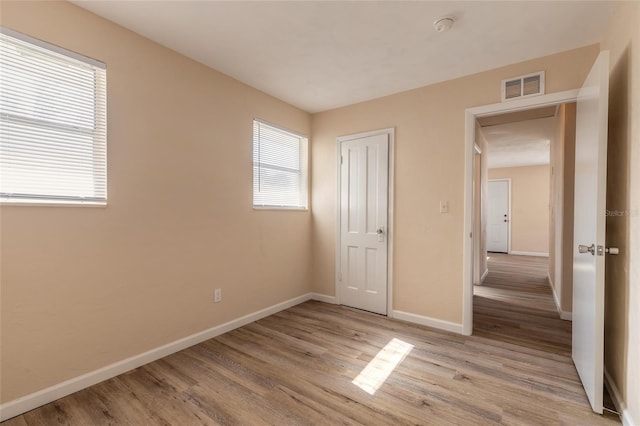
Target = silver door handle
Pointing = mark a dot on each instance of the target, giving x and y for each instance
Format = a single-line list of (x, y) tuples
[(587, 249), (612, 250), (380, 230)]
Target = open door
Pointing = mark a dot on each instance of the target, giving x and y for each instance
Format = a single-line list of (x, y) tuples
[(589, 230)]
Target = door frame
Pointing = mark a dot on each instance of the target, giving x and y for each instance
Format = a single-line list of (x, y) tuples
[(478, 201), (390, 204), (471, 114), (508, 180)]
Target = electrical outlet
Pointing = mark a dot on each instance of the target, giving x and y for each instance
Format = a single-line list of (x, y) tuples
[(217, 295)]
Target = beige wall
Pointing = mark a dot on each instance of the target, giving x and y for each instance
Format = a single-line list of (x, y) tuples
[(622, 286), (562, 160), (85, 287), (529, 207), (429, 167)]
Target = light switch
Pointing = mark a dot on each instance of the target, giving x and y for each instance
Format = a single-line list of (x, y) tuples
[(444, 206)]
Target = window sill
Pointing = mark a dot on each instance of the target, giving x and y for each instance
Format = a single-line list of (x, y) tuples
[(295, 209), (43, 203)]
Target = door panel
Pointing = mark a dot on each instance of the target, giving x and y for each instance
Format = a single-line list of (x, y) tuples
[(498, 216), (589, 228), (364, 176)]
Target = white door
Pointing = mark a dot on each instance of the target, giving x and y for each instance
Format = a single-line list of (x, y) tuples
[(498, 216), (364, 184), (589, 230)]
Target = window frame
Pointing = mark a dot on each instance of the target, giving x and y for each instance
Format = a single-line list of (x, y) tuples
[(303, 148), (98, 133)]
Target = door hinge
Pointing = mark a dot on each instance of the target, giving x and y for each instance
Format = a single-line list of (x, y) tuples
[(341, 160)]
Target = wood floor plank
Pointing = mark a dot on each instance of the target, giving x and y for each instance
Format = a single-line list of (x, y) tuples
[(297, 367)]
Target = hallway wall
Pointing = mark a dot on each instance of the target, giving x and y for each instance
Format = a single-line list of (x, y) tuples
[(529, 207), (562, 161)]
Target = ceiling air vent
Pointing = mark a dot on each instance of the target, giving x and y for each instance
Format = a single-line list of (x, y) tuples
[(523, 86)]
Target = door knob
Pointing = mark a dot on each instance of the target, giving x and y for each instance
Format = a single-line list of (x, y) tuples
[(380, 230), (587, 249), (612, 250)]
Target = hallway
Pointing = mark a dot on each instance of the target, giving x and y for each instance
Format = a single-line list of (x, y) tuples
[(515, 304)]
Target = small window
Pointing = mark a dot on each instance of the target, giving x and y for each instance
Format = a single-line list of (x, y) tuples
[(279, 168), (52, 123)]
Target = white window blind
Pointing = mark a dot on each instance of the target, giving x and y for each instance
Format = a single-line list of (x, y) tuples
[(52, 123), (279, 167)]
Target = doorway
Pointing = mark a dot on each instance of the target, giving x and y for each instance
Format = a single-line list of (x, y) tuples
[(591, 143), (517, 292), (365, 221), (471, 116)]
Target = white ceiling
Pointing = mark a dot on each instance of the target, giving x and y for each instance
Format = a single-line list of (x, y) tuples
[(523, 143), (319, 55)]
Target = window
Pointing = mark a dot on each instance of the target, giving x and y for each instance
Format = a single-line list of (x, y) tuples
[(52, 123), (279, 167)]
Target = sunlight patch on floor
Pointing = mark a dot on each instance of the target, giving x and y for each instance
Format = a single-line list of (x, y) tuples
[(380, 367)]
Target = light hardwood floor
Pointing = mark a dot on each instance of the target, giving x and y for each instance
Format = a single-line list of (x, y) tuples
[(297, 368), (515, 304)]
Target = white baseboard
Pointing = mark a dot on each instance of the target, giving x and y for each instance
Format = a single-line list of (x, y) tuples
[(484, 275), (428, 321), (45, 396), (567, 316), (621, 406), (529, 253), (324, 298)]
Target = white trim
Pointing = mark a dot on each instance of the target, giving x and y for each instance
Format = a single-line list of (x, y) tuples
[(470, 121), (29, 402), (529, 253), (621, 407), (324, 298), (428, 321), (52, 47), (282, 128), (508, 180), (8, 202), (390, 228), (567, 316), (484, 275), (281, 208), (553, 291), (522, 104)]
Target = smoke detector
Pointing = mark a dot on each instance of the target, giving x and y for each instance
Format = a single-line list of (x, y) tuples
[(443, 24)]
